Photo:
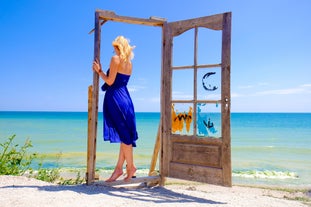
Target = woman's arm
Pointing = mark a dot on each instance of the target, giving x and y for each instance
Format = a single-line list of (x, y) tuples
[(113, 70), (114, 63)]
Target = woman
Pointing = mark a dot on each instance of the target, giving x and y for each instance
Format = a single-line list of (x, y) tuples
[(118, 109)]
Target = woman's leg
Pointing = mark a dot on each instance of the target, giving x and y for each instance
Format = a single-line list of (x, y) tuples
[(128, 155), (118, 171)]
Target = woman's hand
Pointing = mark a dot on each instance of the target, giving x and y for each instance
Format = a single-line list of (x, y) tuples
[(97, 67)]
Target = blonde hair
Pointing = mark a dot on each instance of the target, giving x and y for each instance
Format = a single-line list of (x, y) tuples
[(126, 50)]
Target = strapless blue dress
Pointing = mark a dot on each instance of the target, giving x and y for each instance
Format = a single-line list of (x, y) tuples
[(118, 112)]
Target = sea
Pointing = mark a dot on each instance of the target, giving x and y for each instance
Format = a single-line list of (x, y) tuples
[(271, 149)]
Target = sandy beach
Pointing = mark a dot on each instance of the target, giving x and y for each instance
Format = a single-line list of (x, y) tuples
[(18, 191)]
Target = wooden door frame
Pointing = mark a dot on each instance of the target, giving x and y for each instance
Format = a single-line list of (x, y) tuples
[(101, 17)]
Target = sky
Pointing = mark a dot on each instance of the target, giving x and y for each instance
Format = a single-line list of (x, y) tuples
[(46, 52)]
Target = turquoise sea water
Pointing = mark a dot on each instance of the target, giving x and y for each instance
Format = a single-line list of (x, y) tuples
[(267, 148)]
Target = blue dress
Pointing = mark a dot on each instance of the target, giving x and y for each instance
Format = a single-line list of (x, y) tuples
[(118, 112)]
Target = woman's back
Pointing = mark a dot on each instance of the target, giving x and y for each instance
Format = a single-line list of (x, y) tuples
[(125, 67)]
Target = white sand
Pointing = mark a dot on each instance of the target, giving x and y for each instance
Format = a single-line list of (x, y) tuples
[(18, 191)]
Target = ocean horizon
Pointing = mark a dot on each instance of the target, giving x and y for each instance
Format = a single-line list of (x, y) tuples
[(267, 148)]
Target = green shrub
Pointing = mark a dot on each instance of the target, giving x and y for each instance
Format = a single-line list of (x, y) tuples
[(48, 175), (15, 160), (76, 181)]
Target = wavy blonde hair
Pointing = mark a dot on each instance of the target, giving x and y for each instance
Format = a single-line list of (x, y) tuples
[(126, 50)]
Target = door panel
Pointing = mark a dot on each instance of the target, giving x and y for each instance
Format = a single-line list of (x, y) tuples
[(196, 173), (195, 107), (187, 153)]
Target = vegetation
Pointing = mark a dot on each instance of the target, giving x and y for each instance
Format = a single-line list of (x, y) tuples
[(15, 160), (48, 175), (77, 180)]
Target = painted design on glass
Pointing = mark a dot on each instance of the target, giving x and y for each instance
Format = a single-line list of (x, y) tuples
[(205, 128), (179, 119), (206, 85)]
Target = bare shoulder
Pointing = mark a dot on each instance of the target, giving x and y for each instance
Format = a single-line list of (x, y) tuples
[(115, 59)]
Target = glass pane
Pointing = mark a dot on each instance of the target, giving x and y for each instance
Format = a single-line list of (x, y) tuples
[(182, 85), (209, 84), (209, 120), (209, 46), (183, 51), (182, 118)]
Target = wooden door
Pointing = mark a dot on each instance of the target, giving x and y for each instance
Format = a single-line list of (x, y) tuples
[(195, 129)]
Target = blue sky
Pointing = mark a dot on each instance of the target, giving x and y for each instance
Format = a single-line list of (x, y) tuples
[(46, 52)]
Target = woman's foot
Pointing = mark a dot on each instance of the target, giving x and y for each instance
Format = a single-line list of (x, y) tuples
[(130, 173), (125, 174), (115, 175)]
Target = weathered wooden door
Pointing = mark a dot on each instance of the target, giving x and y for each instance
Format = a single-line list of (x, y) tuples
[(195, 129)]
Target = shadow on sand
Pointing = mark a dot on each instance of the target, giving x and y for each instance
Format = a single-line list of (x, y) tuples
[(146, 194)]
